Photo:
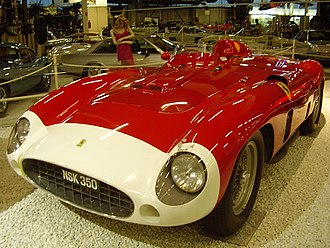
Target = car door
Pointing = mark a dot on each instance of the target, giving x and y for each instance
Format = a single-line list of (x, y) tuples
[(106, 54)]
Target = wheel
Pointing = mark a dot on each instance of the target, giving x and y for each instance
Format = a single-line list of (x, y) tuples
[(3, 105), (44, 84), (91, 71), (310, 124), (241, 193)]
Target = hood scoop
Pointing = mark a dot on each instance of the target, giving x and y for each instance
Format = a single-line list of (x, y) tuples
[(149, 87), (164, 81)]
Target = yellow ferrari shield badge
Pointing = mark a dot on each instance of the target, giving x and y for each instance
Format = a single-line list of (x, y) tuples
[(284, 88), (81, 142)]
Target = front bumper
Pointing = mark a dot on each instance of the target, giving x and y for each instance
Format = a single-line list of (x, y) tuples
[(130, 165)]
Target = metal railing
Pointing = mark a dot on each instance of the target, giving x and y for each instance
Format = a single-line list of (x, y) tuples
[(56, 74)]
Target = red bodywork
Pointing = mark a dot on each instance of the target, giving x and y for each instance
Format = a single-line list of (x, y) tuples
[(196, 98)]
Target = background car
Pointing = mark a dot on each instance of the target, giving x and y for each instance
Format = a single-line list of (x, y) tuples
[(187, 34), (77, 43), (17, 60), (52, 40), (313, 44), (90, 38), (174, 26), (67, 48), (172, 145), (146, 50)]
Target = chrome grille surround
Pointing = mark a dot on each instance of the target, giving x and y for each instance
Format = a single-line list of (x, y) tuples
[(105, 200)]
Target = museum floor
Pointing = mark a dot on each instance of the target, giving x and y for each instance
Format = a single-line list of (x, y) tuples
[(292, 208)]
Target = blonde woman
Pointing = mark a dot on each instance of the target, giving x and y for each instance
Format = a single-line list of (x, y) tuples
[(122, 35)]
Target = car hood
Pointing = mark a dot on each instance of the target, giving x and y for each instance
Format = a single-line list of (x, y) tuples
[(158, 106)]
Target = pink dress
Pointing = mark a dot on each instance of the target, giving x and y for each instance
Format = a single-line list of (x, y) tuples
[(124, 51)]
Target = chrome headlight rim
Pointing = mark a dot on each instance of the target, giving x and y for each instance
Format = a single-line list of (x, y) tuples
[(181, 176), (167, 191), (18, 134)]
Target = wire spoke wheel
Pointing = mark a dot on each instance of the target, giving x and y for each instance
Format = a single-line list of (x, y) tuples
[(245, 177), (93, 71), (317, 107), (310, 124), (241, 193)]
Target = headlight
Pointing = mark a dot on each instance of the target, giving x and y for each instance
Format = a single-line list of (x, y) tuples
[(18, 135), (181, 179), (188, 172)]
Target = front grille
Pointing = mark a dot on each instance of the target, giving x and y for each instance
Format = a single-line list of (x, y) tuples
[(102, 198)]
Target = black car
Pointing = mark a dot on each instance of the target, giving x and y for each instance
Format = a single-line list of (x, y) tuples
[(17, 60)]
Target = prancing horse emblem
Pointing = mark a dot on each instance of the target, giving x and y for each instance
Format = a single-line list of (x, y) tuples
[(81, 142)]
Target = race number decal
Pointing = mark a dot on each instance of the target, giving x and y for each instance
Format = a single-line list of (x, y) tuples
[(284, 88)]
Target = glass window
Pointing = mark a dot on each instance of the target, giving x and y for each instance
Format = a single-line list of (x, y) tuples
[(27, 55), (163, 44), (106, 47), (7, 53)]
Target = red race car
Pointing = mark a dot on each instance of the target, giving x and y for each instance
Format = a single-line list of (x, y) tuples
[(171, 145)]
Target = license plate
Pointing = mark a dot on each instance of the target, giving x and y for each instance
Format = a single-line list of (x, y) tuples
[(80, 179)]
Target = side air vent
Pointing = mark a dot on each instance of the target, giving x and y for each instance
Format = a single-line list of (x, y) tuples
[(147, 87), (288, 125)]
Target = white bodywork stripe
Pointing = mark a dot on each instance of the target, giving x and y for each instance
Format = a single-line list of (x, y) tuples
[(122, 161)]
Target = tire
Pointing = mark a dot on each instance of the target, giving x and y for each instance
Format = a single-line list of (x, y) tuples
[(90, 71), (44, 84), (3, 105), (241, 193), (310, 124)]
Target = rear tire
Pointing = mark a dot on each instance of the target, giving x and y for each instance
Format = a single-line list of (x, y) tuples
[(3, 105), (44, 84), (241, 193), (90, 71), (310, 124)]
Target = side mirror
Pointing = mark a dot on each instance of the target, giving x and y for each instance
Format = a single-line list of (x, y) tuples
[(166, 55)]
